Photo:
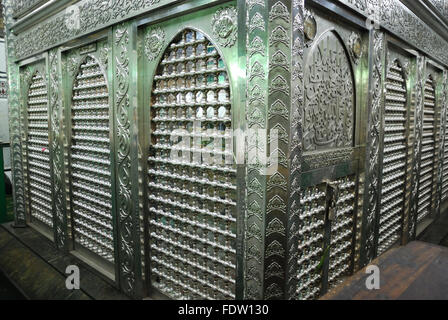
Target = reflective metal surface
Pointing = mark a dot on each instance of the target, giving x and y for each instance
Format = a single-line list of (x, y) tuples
[(445, 165), (191, 177), (331, 124), (342, 216), (90, 161), (428, 157), (125, 117), (311, 241), (38, 151), (395, 158)]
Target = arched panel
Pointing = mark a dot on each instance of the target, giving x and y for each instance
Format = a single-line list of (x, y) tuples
[(445, 160), (394, 159), (329, 97), (192, 179), (38, 153), (328, 202), (90, 171), (428, 153)]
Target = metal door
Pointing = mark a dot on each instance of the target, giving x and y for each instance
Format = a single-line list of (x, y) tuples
[(444, 141), (331, 133), (89, 154), (430, 143), (395, 177), (37, 167), (191, 185)]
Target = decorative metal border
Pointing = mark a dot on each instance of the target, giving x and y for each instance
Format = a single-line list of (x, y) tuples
[(92, 15), (256, 102), (25, 74), (441, 6), (22, 7), (315, 160), (372, 182), (295, 147), (127, 160), (57, 151), (277, 196), (442, 132), (418, 131), (15, 123), (410, 28)]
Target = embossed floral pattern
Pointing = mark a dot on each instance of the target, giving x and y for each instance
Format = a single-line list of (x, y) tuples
[(224, 25), (154, 41)]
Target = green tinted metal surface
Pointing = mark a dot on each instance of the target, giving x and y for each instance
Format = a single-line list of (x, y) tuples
[(3, 208), (313, 72)]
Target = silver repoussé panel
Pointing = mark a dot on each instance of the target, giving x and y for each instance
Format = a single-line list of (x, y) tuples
[(394, 159), (192, 188), (341, 244), (38, 152), (90, 161), (428, 151)]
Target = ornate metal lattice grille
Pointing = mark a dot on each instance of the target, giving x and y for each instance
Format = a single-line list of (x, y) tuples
[(341, 243), (428, 152), (90, 161), (394, 159), (192, 186), (311, 241), (445, 166), (322, 239), (38, 152)]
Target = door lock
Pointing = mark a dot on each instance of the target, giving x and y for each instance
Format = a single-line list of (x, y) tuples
[(332, 199)]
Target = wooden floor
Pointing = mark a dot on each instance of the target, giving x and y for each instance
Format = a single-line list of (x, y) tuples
[(30, 262), (417, 271)]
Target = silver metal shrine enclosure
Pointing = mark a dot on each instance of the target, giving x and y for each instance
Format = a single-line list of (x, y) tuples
[(212, 149)]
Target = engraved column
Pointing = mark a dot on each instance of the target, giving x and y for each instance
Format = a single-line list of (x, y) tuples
[(127, 164)]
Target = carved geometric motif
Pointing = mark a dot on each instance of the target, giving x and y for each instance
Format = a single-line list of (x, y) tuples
[(275, 248), (252, 3), (279, 11), (278, 108), (256, 22), (274, 270), (257, 71), (273, 291), (257, 46), (277, 180), (279, 84), (275, 226), (279, 35), (276, 204), (279, 59)]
